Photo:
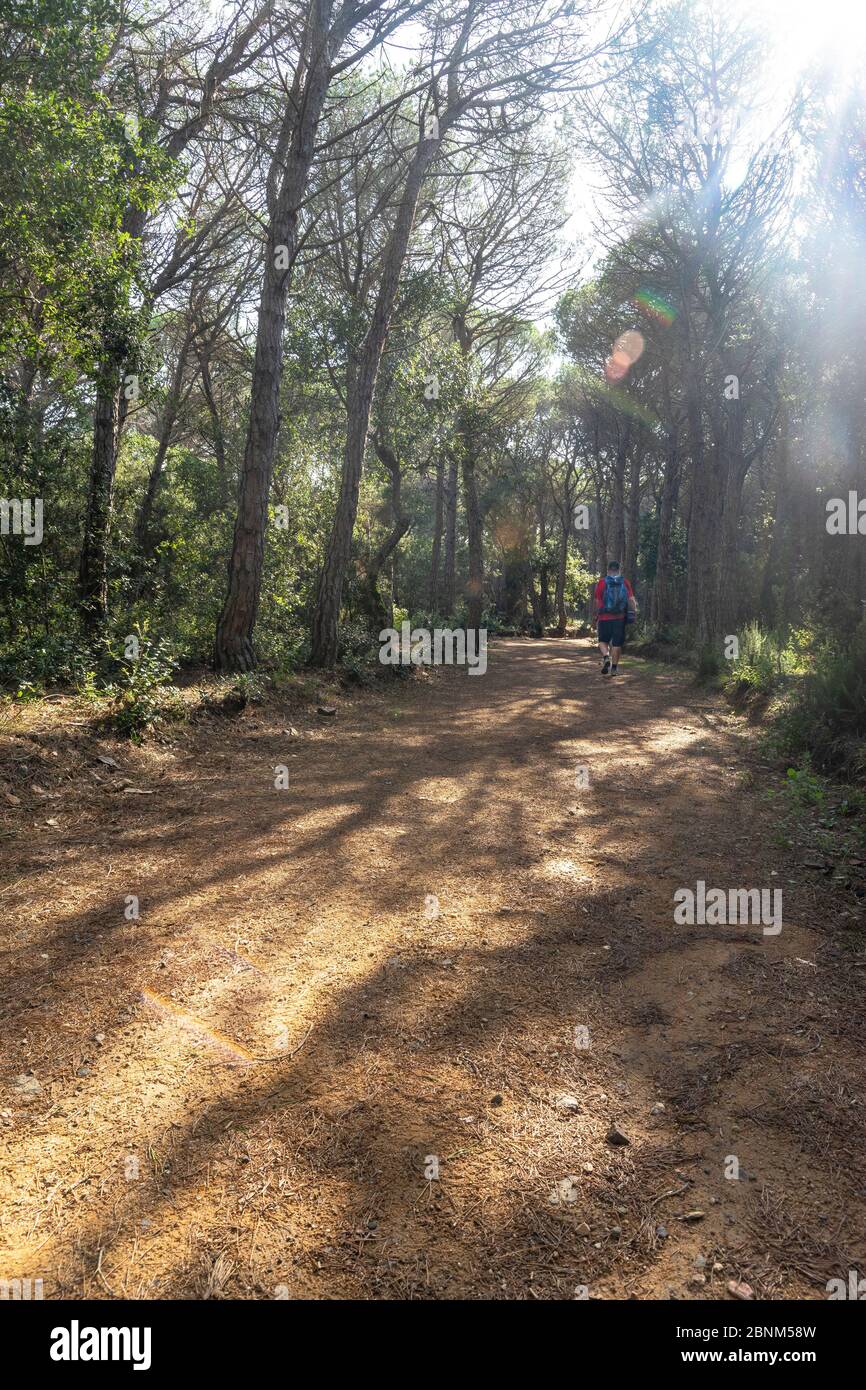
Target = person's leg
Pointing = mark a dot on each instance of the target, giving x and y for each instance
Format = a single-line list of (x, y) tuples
[(616, 645), (604, 648)]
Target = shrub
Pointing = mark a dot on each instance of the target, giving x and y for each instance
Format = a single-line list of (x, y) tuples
[(826, 720), (767, 660), (137, 692), (359, 649), (31, 667), (708, 668)]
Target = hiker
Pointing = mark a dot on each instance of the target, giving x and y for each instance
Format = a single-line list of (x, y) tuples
[(615, 606)]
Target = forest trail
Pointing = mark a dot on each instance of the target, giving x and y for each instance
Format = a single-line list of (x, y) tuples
[(244, 1092)]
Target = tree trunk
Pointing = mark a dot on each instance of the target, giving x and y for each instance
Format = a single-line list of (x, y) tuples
[(167, 424), (632, 535), (370, 598), (602, 549), (776, 588), (108, 417), (730, 523), (93, 565), (543, 569), (616, 531), (110, 408), (219, 439), (436, 552), (662, 589), (449, 588), (233, 646), (359, 402), (704, 511), (512, 587), (561, 572), (534, 601), (703, 555), (475, 544)]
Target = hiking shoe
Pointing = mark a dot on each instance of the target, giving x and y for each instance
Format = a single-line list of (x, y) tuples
[(613, 670), (605, 666)]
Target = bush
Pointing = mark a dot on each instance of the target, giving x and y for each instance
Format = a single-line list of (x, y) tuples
[(137, 692), (805, 787), (826, 720), (708, 668), (30, 668), (358, 649), (767, 660)]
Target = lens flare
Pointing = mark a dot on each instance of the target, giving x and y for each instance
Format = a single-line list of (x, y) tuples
[(626, 351), (629, 345), (616, 367), (656, 306)]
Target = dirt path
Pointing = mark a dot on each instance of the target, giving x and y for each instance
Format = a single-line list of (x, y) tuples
[(406, 958)]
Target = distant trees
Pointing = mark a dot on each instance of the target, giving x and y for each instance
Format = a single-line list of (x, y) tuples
[(692, 169), (290, 337)]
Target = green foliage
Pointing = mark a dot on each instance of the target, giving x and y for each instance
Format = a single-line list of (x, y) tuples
[(52, 43), (708, 666), (805, 787), (648, 545), (71, 166), (137, 693), (824, 721), (248, 687), (578, 580), (359, 648), (37, 666), (767, 659)]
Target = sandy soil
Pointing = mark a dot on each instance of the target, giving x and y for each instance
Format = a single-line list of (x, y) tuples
[(400, 964)]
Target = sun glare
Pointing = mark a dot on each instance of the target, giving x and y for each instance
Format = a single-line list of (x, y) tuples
[(813, 32)]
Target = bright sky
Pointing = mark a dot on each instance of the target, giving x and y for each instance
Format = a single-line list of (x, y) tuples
[(803, 35), (808, 30)]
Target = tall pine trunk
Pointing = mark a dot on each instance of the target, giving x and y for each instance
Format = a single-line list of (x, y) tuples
[(359, 403), (233, 646), (632, 535), (436, 550), (374, 609), (167, 424), (449, 587), (662, 609), (561, 573), (475, 543), (109, 413), (704, 510)]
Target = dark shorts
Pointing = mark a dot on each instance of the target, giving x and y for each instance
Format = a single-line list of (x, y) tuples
[(612, 630)]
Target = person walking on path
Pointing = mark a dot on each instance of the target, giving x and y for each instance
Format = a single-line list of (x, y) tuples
[(614, 607)]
